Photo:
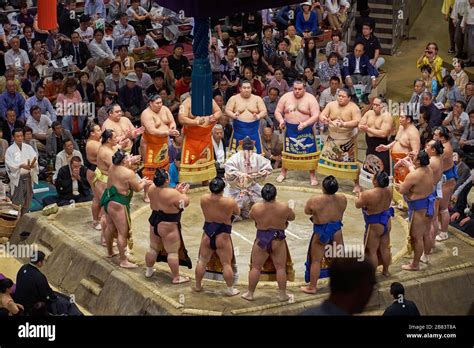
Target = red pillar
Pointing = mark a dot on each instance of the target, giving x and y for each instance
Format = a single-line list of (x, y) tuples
[(47, 16)]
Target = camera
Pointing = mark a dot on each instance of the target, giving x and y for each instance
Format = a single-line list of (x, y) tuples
[(281, 54)]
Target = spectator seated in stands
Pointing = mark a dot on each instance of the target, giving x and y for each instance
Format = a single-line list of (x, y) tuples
[(131, 98), (44, 104), (183, 85), (284, 61), (252, 28), (456, 121), (272, 147), (138, 16), (123, 32), (178, 62), (283, 16), (336, 45), (144, 79), (311, 81), (100, 50), (258, 88), (102, 114), (71, 184), (225, 123), (430, 83), (400, 306), (10, 75), (337, 13), (9, 124), (32, 81), (467, 139), (469, 97), (32, 287), (219, 149), (16, 58), (63, 158), (78, 50), (6, 300), (371, 45), (330, 93), (11, 99), (169, 101), (296, 41), (142, 46), (328, 69), (460, 77), (307, 21), (168, 74), (95, 9), (307, 56), (54, 87), (278, 82), (115, 80), (223, 91), (40, 125), (462, 216), (230, 68), (431, 113), (358, 70), (127, 62), (449, 94), (271, 102), (28, 139), (95, 72), (85, 88)]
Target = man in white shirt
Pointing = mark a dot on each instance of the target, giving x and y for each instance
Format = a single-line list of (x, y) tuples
[(142, 46), (22, 168), (40, 125), (467, 27), (219, 149), (85, 31), (144, 79), (123, 31), (64, 157), (16, 58), (330, 93), (95, 73), (100, 50)]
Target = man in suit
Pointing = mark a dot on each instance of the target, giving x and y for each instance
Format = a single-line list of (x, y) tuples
[(26, 42), (357, 69), (71, 184), (9, 125), (223, 90), (78, 50), (416, 98), (55, 141), (32, 287)]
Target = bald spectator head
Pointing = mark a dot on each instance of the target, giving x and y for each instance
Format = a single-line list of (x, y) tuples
[(359, 50), (11, 86)]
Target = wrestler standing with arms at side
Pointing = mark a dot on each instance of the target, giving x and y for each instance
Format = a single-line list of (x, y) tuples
[(92, 148), (327, 211), (218, 211), (271, 219)]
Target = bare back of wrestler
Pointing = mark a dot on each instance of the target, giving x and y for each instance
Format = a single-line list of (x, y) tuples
[(326, 208), (418, 185), (169, 201), (123, 178), (300, 108), (219, 210), (442, 134), (92, 149), (376, 201), (270, 215)]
